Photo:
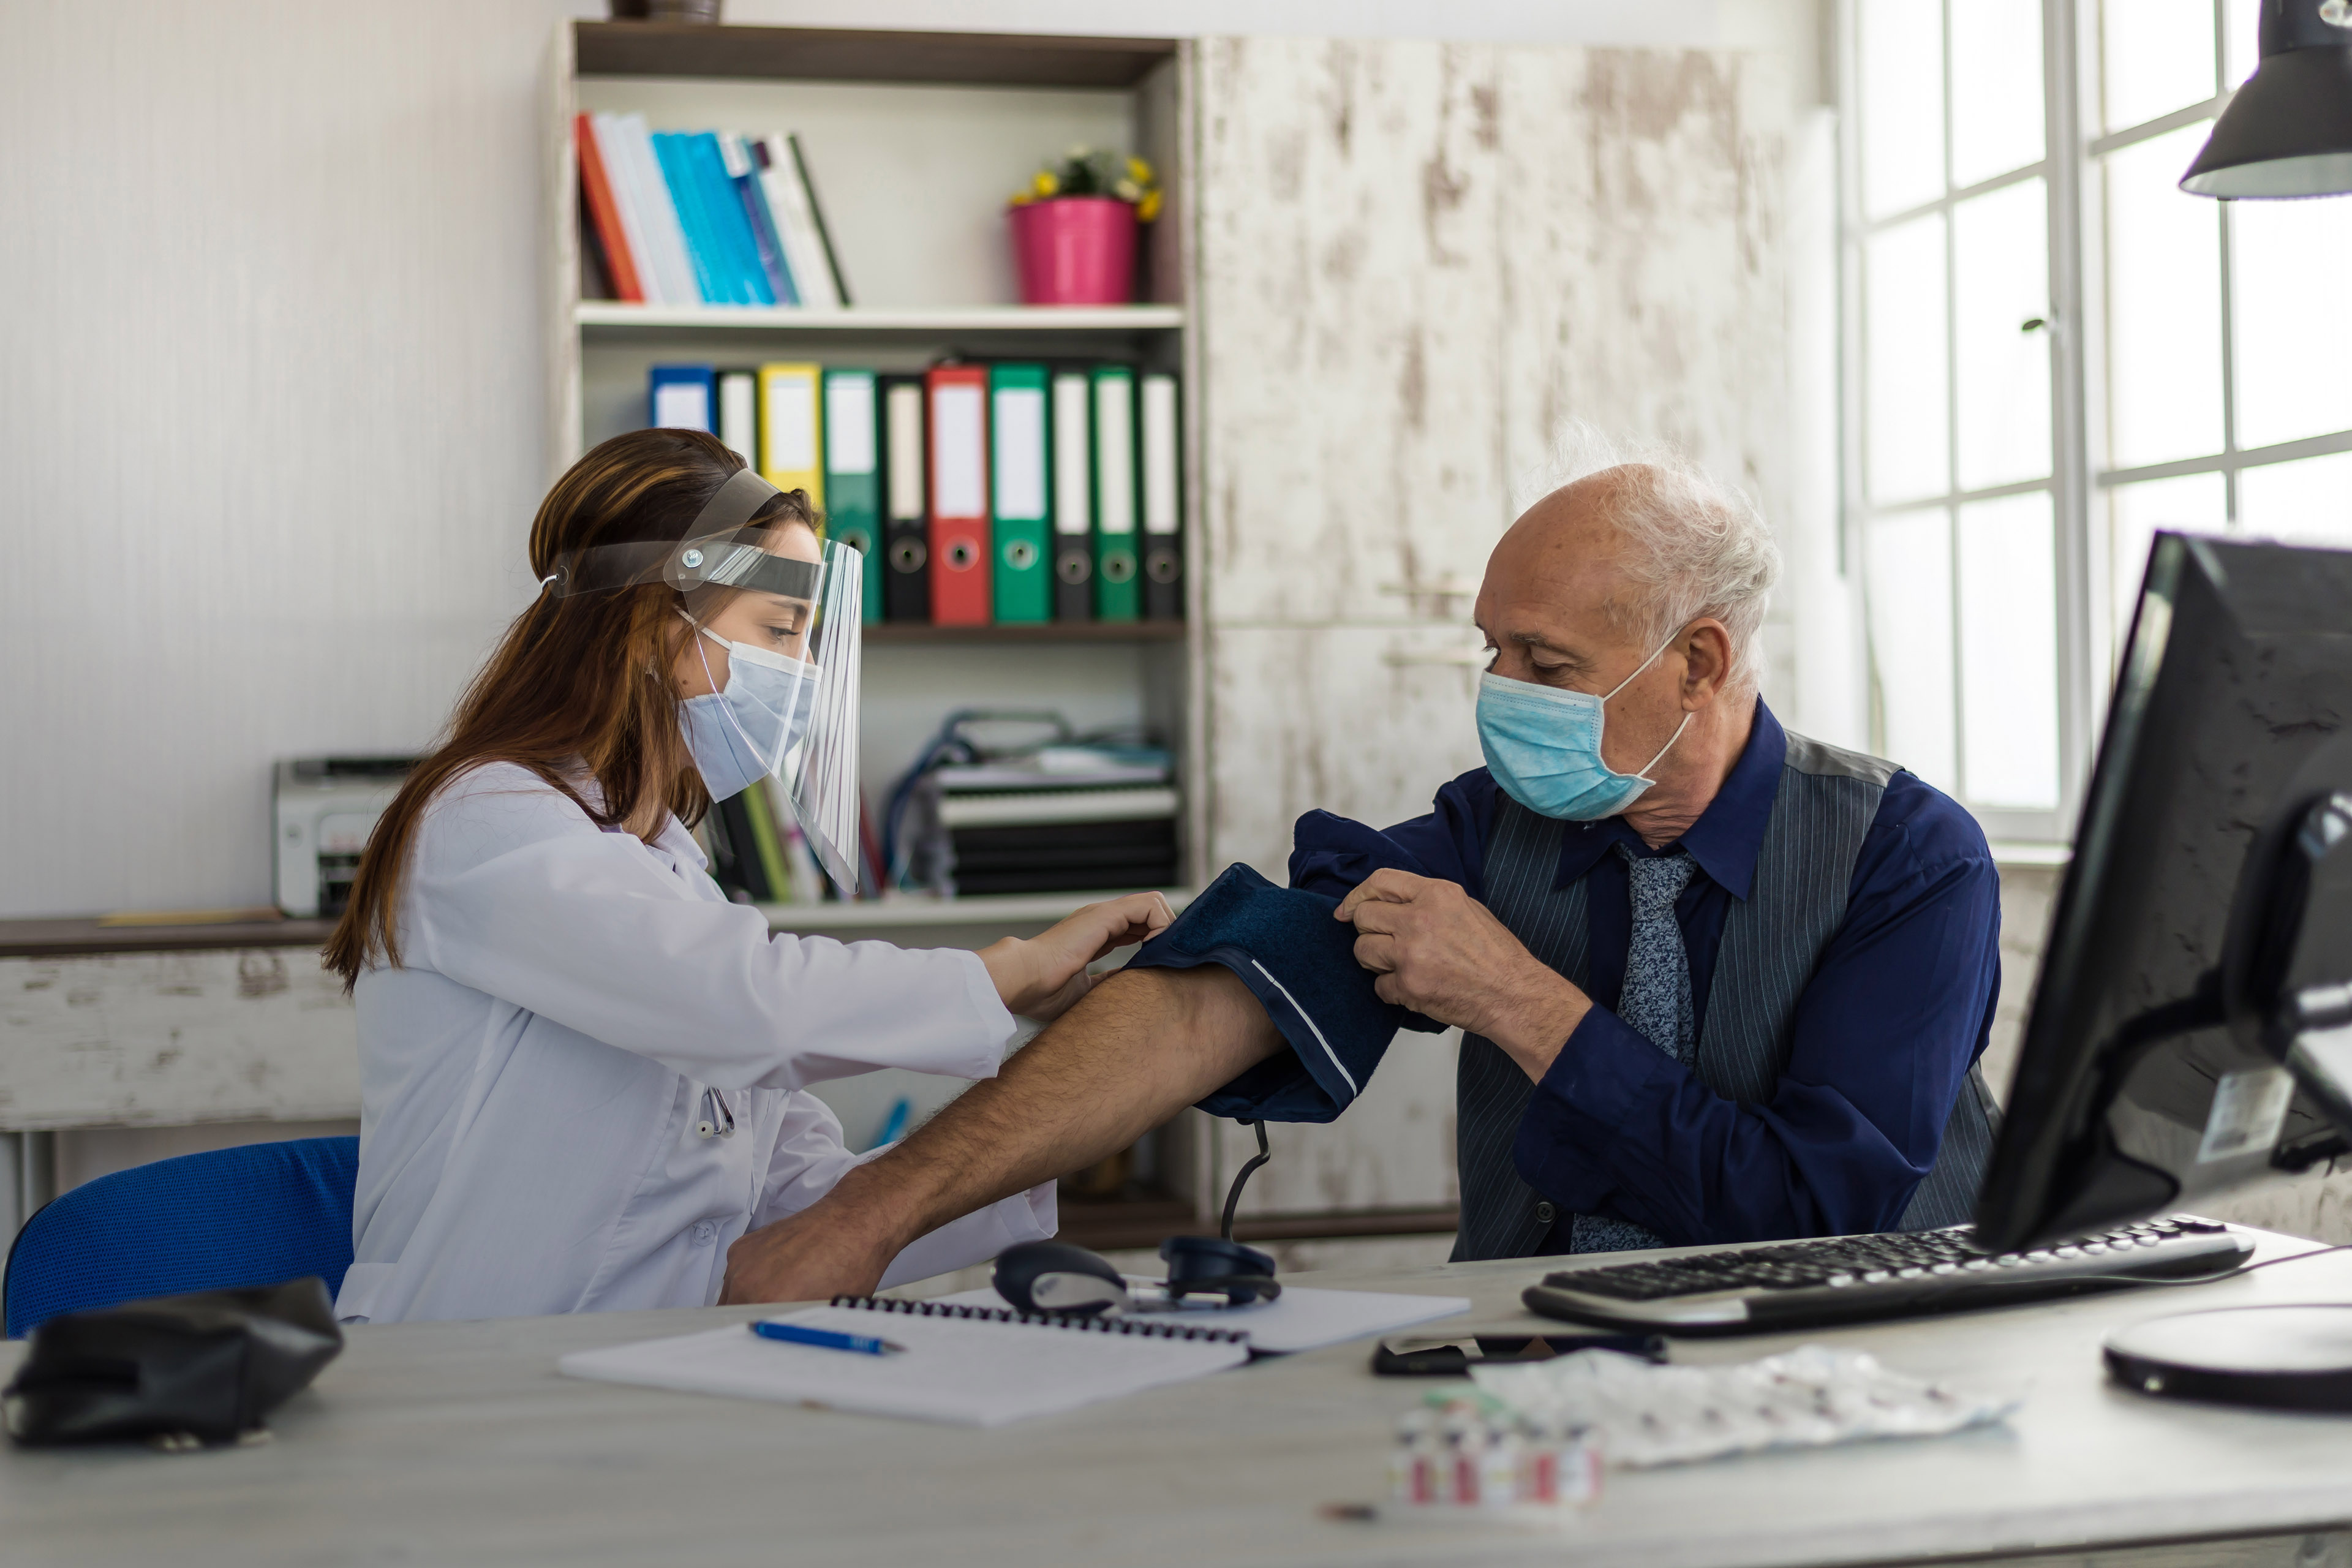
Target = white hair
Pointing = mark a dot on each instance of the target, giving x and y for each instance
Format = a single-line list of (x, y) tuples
[(1694, 546)]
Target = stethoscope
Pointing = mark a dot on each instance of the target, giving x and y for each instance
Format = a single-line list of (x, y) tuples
[(718, 1118)]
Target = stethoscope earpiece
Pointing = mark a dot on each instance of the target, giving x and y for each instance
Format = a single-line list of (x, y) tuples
[(718, 1119)]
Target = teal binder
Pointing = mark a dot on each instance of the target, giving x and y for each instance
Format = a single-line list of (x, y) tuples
[(853, 475), (1119, 592), (1019, 507)]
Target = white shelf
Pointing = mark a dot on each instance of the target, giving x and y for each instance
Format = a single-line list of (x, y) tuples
[(998, 908), (884, 318)]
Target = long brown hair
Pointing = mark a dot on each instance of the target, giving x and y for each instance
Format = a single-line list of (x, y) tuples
[(581, 679)]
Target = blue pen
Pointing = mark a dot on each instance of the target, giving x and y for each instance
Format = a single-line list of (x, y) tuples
[(825, 1339)]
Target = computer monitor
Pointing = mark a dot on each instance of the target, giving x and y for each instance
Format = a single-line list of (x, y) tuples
[(2180, 1039)]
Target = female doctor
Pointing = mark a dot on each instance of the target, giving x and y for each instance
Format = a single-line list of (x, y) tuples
[(583, 1071)]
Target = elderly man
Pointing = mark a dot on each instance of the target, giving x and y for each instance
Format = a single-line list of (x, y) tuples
[(1717, 982)]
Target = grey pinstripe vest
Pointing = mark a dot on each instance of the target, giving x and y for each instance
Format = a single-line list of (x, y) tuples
[(1771, 944)]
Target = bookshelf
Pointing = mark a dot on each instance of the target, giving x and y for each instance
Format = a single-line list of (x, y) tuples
[(914, 140)]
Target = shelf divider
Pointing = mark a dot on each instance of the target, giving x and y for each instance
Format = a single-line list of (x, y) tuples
[(604, 315)]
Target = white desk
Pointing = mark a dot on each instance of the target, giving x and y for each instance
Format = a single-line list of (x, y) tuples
[(458, 1443)]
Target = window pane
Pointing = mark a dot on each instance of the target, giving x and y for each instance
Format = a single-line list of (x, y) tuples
[(2001, 279), (2309, 502), (2240, 24), (2156, 56), (1996, 88), (2164, 306), (2294, 337), (1900, 59), (2009, 653), (2194, 504), (1906, 407), (1910, 587)]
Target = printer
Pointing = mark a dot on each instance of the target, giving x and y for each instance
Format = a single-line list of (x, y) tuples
[(323, 809)]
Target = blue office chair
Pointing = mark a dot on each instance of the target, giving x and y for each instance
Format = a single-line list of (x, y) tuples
[(251, 1216)]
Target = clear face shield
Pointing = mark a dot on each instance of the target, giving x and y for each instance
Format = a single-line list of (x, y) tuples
[(789, 706)]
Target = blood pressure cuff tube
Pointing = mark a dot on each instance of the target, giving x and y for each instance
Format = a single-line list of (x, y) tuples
[(1300, 964)]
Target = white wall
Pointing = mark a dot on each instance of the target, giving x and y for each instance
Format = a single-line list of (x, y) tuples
[(271, 425)]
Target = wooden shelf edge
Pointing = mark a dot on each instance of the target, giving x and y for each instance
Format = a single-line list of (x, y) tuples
[(842, 54), (1360, 1223), (1108, 1223), (81, 938), (621, 315), (1047, 632), (980, 908)]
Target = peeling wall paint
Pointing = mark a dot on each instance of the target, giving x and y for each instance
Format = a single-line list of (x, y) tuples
[(1416, 262)]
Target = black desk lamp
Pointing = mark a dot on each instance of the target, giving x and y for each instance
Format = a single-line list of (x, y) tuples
[(2288, 130)]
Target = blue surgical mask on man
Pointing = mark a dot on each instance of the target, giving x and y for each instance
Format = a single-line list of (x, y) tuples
[(747, 728), (1543, 746)]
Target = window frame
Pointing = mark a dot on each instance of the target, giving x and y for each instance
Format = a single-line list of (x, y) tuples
[(2074, 570)]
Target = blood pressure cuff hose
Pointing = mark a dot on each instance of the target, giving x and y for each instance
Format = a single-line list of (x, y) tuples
[(1300, 964)]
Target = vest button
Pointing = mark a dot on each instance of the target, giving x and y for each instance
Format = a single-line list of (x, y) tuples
[(1545, 1213)]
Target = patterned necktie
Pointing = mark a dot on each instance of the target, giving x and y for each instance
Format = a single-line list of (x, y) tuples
[(1655, 1003)]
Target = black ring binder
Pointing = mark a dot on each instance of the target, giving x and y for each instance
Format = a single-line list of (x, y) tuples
[(1132, 1326)]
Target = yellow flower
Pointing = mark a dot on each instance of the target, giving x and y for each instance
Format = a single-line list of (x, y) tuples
[(1128, 191), (1138, 171), (1045, 184), (1148, 207), (1022, 198)]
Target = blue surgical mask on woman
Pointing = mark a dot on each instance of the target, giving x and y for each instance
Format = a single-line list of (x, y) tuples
[(748, 727), (1543, 746)]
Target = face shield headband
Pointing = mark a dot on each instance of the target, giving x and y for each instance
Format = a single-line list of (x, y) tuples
[(721, 548)]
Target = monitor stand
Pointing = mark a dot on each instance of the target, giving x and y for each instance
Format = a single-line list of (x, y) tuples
[(2284, 990), (2284, 1358)]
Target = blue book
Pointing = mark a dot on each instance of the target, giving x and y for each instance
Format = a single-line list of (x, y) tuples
[(710, 271), (682, 397), (743, 171), (729, 222)]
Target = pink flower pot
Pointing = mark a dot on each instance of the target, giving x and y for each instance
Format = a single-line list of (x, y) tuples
[(1075, 250)]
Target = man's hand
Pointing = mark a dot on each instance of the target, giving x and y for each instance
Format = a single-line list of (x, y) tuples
[(1439, 951), (828, 1250), (1041, 977)]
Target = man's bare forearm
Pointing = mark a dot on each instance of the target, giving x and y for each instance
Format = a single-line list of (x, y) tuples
[(1141, 1045)]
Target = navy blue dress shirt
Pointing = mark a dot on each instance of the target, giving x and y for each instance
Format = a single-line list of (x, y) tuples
[(1884, 1033)]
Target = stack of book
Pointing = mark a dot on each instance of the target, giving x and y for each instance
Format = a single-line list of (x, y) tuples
[(996, 494), (758, 854), (703, 217), (1067, 819)]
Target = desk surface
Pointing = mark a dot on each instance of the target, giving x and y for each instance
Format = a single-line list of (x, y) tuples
[(458, 1442)]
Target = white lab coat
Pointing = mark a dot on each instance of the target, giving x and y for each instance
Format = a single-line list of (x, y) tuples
[(531, 1077)]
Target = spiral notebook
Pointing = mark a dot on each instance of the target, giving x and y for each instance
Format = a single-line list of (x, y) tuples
[(972, 1367)]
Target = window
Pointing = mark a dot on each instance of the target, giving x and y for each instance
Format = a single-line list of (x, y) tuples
[(1952, 460), (2051, 352)]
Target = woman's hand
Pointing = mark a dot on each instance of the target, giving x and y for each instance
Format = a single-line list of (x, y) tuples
[(1041, 977)]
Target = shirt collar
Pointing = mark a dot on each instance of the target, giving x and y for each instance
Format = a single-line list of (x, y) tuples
[(1728, 834)]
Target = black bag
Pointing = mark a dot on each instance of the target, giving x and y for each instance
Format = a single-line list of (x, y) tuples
[(198, 1369)]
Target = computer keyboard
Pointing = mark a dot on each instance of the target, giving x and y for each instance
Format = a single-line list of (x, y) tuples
[(1841, 1279)]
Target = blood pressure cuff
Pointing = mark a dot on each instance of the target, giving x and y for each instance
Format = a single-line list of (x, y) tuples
[(1300, 964), (206, 1366)]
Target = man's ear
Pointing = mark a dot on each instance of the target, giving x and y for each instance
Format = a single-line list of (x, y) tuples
[(1706, 656)]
